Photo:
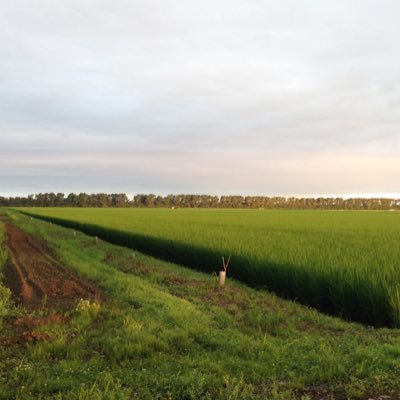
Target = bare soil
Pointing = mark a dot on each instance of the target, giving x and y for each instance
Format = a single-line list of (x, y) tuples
[(37, 279), (25, 337)]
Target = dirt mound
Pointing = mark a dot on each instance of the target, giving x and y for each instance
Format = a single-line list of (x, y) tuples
[(37, 279)]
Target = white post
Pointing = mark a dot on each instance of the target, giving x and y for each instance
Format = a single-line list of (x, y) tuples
[(222, 275)]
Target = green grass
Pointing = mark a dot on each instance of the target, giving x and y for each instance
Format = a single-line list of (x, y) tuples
[(167, 332), (344, 263), (5, 294)]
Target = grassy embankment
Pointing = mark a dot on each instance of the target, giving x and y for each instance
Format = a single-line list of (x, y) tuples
[(5, 294), (344, 263), (164, 331)]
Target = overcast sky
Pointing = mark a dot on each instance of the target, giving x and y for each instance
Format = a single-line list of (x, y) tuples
[(215, 96)]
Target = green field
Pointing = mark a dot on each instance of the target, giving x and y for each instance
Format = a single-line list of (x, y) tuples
[(345, 263), (163, 331)]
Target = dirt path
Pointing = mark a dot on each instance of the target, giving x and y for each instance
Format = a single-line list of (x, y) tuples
[(37, 279)]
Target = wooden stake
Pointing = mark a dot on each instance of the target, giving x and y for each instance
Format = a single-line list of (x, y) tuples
[(222, 274)]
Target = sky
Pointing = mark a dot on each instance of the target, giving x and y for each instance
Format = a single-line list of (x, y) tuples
[(216, 96)]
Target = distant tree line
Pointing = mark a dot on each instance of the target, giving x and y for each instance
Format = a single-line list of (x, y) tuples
[(197, 201)]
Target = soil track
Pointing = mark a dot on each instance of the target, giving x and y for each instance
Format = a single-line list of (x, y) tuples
[(37, 279)]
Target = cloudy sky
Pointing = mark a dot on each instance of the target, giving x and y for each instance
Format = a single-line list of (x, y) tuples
[(214, 96)]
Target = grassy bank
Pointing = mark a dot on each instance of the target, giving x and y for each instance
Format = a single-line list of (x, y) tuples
[(163, 331), (5, 294), (343, 263)]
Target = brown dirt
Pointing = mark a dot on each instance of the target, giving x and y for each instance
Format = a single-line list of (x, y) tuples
[(30, 322), (22, 329), (37, 279), (323, 392), (26, 337), (129, 265), (226, 296), (177, 280)]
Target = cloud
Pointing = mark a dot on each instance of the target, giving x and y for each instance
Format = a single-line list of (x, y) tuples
[(212, 96)]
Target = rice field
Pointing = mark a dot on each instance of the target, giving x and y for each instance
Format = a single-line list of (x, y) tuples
[(345, 263)]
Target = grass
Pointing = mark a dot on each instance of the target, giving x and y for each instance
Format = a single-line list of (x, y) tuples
[(5, 294), (167, 332), (343, 263)]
